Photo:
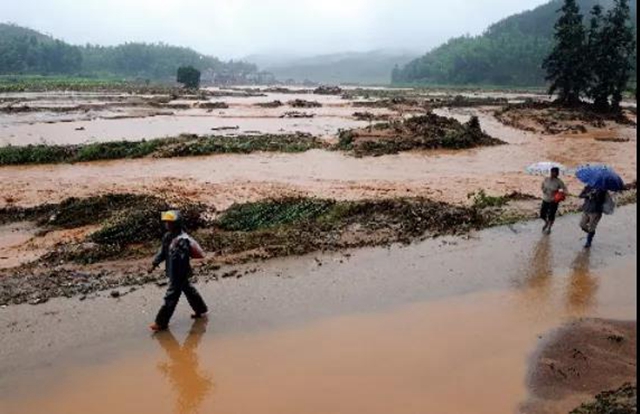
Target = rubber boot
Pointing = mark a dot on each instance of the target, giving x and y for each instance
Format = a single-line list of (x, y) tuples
[(589, 239)]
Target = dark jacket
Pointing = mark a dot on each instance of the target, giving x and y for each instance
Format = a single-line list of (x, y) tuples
[(594, 200), (176, 253)]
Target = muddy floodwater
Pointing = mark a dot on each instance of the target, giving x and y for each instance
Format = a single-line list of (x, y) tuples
[(107, 117), (224, 179), (446, 325)]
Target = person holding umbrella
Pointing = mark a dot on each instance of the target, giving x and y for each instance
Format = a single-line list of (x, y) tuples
[(599, 180), (553, 192)]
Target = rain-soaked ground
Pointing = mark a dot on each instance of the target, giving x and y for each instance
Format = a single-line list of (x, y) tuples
[(442, 326)]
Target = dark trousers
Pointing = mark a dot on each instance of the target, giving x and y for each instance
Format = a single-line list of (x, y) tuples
[(548, 211), (178, 286)]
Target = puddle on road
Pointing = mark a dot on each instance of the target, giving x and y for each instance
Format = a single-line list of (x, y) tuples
[(466, 354)]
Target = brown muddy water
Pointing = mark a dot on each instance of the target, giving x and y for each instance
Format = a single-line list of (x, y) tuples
[(445, 326), (224, 179), (109, 121)]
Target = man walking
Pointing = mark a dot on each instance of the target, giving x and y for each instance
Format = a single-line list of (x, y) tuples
[(592, 209), (176, 251), (553, 191)]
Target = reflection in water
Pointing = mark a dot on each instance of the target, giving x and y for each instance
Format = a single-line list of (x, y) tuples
[(182, 370), (582, 285), (537, 274), (540, 269)]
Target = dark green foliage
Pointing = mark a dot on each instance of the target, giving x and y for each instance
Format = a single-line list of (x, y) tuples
[(25, 51), (182, 146), (620, 401), (509, 52), (599, 88), (567, 65), (614, 51), (481, 200), (76, 212), (270, 213), (189, 77), (35, 154), (51, 154), (117, 150), (600, 64)]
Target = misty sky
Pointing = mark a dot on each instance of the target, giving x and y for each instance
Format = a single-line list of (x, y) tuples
[(236, 28)]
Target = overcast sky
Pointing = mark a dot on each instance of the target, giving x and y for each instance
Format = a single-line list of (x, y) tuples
[(236, 28)]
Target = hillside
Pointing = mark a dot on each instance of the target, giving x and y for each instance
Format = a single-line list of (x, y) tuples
[(26, 51), (509, 52), (366, 68)]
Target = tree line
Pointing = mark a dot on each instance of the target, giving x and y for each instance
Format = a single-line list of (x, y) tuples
[(593, 60), (26, 51), (510, 52)]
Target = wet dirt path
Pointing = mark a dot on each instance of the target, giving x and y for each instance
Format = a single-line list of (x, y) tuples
[(225, 179), (442, 326)]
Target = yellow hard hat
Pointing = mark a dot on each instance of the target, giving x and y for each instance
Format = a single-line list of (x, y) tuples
[(171, 215)]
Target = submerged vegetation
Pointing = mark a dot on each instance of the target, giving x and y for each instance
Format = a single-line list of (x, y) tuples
[(428, 131), (182, 146), (553, 118)]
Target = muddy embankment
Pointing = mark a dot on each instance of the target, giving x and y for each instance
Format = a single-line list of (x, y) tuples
[(551, 119), (585, 367), (81, 246)]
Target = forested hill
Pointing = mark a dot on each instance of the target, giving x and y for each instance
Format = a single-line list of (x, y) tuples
[(26, 51), (510, 52)]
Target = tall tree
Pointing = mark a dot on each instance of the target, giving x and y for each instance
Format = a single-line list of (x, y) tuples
[(189, 77), (566, 67), (600, 85), (619, 44)]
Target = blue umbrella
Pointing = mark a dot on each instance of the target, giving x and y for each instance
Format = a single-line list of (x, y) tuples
[(601, 177)]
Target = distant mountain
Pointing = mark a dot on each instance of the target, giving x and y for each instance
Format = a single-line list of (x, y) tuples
[(26, 51), (366, 68), (509, 52)]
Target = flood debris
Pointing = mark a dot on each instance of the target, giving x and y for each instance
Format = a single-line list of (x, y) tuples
[(328, 90), (612, 139), (369, 116), (226, 128), (296, 114), (428, 131), (552, 119), (212, 105), (623, 400), (245, 232), (271, 104), (392, 103), (301, 103)]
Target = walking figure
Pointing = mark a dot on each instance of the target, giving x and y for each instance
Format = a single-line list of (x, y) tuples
[(176, 251), (553, 192), (592, 209)]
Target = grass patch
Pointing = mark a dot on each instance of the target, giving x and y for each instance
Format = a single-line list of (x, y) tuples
[(182, 146)]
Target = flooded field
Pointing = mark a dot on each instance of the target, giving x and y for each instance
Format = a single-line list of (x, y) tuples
[(423, 323), (224, 179), (307, 334)]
